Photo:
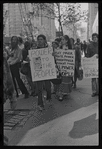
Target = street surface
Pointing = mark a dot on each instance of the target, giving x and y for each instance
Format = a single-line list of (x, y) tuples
[(71, 122)]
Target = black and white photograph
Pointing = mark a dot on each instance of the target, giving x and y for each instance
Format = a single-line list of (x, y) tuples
[(59, 105)]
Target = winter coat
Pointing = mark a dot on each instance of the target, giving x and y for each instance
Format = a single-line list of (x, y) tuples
[(77, 57)]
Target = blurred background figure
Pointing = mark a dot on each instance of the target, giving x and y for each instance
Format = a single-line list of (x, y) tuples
[(84, 47), (20, 43), (77, 64), (34, 44), (79, 45), (72, 42)]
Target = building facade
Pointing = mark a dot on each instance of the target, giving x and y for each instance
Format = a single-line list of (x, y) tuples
[(42, 20), (93, 14)]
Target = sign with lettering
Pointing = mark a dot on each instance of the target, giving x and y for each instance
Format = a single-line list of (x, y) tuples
[(66, 61), (42, 64), (90, 67)]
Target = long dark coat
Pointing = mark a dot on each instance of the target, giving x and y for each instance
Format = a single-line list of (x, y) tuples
[(77, 57)]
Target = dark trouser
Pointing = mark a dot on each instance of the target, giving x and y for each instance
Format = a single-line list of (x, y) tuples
[(15, 85), (40, 85), (95, 84), (16, 75)]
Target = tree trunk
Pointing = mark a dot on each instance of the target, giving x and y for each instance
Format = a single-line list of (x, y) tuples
[(60, 24)]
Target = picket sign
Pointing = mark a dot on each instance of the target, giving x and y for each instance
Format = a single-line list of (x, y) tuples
[(42, 64), (66, 61), (90, 67)]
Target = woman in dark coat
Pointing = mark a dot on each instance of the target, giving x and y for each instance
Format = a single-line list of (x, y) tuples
[(77, 64), (25, 53)]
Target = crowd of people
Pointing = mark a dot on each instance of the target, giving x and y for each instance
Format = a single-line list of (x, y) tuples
[(16, 57)]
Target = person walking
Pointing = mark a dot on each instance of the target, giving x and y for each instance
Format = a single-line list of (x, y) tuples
[(66, 86), (42, 43), (20, 43), (84, 47), (77, 64), (80, 45), (27, 47), (92, 50), (14, 65), (72, 41)]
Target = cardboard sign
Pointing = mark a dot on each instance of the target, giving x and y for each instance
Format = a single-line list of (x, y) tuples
[(66, 61), (42, 64), (90, 67)]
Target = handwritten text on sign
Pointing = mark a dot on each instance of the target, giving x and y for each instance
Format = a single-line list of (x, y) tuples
[(42, 64), (66, 60), (90, 67)]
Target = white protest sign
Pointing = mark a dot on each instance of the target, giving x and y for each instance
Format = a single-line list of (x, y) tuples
[(90, 67), (66, 61), (42, 64)]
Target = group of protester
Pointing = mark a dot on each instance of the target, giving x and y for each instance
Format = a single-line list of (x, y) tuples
[(18, 56)]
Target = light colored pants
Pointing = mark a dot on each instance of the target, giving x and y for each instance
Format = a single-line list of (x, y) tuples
[(95, 88)]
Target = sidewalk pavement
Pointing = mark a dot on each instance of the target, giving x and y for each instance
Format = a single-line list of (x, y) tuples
[(49, 127)]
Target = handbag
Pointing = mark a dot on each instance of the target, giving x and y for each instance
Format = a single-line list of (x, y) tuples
[(25, 68)]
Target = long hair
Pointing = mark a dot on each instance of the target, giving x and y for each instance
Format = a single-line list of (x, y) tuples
[(68, 41)]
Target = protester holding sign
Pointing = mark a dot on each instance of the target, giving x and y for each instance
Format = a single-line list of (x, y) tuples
[(66, 86), (41, 44), (92, 50)]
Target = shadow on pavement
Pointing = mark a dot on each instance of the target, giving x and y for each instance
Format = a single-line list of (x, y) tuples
[(84, 127)]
